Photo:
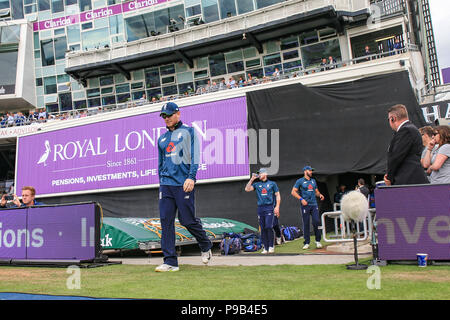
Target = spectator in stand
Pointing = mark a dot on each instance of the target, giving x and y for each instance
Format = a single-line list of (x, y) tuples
[(324, 65), (276, 74), (427, 133), (250, 80), (142, 100), (28, 199), (361, 187), (42, 115), (222, 85), (367, 53), (437, 160), (397, 46), (10, 120), (340, 192), (331, 63), (241, 82)]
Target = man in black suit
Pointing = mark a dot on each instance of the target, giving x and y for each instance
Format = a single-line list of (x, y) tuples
[(403, 158)]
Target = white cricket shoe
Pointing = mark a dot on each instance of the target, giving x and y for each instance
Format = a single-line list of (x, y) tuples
[(306, 246), (278, 240), (271, 249), (264, 251), (206, 256), (318, 245), (166, 268)]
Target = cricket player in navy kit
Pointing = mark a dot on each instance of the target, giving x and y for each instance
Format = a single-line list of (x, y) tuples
[(269, 201), (305, 190), (178, 157)]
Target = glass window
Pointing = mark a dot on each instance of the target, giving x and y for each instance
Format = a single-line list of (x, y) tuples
[(47, 53), (235, 66), (58, 6), (80, 104), (86, 26), (165, 70), (152, 78), (167, 80), (292, 66), (10, 34), (200, 74), (313, 55), (121, 98), (256, 73), (73, 33), (95, 102), (245, 6), (60, 48), (193, 11), (37, 54), (233, 56), (75, 47), (65, 101), (227, 8), (137, 85), (17, 9), (50, 85), (51, 108), (61, 78), (8, 65), (272, 59), (253, 63), (43, 5), (85, 5), (288, 43), (30, 9), (201, 83), (269, 70), (309, 37), (154, 93), (93, 92), (97, 38), (137, 95), (217, 65), (39, 82), (290, 54), (174, 14), (265, 3), (170, 90), (107, 90), (210, 10), (249, 52), (25, 1), (186, 88), (106, 81), (108, 100), (69, 2), (59, 32), (122, 88), (139, 27), (161, 21), (4, 4), (116, 24)]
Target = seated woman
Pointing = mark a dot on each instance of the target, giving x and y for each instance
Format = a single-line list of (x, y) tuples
[(437, 160)]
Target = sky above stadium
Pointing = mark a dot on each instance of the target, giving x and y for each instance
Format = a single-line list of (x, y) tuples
[(441, 27)]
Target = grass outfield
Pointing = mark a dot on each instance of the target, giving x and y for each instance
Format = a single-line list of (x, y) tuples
[(285, 282), (282, 282)]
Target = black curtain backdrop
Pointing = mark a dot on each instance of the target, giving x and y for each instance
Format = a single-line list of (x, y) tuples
[(336, 128), (340, 128)]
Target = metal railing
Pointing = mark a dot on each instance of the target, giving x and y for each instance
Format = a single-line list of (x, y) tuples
[(290, 73), (342, 230)]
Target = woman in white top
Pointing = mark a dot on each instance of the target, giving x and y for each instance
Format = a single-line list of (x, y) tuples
[(437, 160)]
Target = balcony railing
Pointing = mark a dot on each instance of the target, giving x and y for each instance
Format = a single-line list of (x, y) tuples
[(389, 7), (212, 89)]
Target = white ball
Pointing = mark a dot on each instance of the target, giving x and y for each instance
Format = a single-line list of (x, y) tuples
[(354, 206)]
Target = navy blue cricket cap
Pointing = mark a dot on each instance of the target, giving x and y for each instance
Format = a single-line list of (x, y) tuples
[(308, 168), (169, 108)]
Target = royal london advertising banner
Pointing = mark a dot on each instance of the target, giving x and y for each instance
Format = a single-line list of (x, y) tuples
[(122, 153)]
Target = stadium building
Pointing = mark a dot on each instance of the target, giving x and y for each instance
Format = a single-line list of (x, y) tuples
[(297, 66)]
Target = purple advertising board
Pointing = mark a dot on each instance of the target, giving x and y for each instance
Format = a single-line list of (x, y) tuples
[(446, 75), (95, 14), (58, 233), (412, 220), (123, 153)]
